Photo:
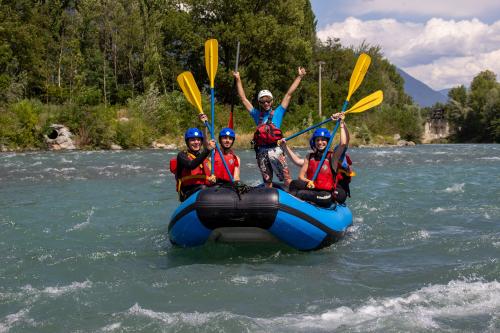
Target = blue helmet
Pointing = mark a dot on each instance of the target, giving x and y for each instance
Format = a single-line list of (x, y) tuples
[(193, 133), (319, 132), (226, 131)]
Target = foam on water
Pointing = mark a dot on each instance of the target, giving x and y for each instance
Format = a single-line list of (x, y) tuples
[(57, 291), (195, 319), (257, 279), (494, 158), (419, 310), (422, 309), (441, 209), (12, 319), (85, 223), (456, 188), (111, 327)]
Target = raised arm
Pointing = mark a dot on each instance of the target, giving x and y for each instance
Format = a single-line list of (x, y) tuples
[(241, 92), (203, 118), (344, 138), (288, 96)]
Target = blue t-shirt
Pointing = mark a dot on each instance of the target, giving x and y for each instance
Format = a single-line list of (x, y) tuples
[(279, 112)]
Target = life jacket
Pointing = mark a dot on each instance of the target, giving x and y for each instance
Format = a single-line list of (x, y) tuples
[(267, 134), (197, 176), (231, 162), (326, 179), (345, 173)]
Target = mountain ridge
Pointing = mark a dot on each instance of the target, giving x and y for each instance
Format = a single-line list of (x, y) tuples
[(421, 93)]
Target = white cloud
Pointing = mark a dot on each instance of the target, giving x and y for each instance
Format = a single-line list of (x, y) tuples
[(449, 72), (442, 8), (438, 52)]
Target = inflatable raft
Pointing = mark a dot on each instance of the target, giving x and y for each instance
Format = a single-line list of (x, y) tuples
[(260, 215)]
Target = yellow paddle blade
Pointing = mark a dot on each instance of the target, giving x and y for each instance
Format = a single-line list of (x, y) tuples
[(211, 59), (368, 102), (190, 89), (358, 73)]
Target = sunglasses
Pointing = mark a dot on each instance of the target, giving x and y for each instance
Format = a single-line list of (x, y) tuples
[(264, 101)]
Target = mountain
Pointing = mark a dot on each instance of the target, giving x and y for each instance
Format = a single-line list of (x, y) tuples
[(421, 93), (445, 92)]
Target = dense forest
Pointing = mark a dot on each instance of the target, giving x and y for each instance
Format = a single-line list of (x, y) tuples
[(107, 70)]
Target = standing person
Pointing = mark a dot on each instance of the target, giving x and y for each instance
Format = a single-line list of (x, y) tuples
[(192, 167), (325, 188), (270, 157), (226, 140)]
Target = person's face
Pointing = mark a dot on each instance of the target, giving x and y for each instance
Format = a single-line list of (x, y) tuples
[(226, 142), (320, 143), (266, 102), (194, 144)]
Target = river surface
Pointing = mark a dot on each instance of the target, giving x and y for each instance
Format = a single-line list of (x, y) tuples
[(84, 248)]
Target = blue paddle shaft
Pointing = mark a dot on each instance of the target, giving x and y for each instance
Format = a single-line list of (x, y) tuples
[(220, 153), (212, 108), (308, 129), (344, 107)]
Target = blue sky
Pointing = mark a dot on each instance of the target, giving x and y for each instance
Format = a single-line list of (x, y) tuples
[(443, 43)]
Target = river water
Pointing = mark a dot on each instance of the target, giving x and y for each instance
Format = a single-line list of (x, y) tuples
[(84, 249)]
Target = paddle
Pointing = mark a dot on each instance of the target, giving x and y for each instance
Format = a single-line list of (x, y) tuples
[(190, 89), (211, 62), (366, 103), (230, 123), (357, 76)]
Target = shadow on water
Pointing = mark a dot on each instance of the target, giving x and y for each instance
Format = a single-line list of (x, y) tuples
[(218, 253), (224, 253)]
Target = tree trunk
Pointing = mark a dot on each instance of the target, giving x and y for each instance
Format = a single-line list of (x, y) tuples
[(131, 75)]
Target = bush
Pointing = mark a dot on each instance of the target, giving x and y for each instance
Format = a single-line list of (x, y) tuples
[(132, 133), (21, 125)]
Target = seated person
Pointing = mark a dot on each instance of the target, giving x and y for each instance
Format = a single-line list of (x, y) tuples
[(226, 141), (325, 189), (192, 169)]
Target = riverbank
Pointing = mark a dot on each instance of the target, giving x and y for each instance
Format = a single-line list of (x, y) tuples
[(243, 141)]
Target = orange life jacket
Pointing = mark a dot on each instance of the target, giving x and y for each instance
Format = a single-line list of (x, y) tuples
[(197, 176)]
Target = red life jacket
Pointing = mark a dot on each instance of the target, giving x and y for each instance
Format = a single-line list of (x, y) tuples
[(231, 162), (197, 176), (326, 177), (267, 134)]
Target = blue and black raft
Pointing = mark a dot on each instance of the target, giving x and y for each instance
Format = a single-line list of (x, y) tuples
[(221, 214)]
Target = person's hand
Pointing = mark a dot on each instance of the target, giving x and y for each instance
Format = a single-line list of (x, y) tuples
[(310, 184), (302, 71), (203, 117), (236, 75), (337, 116), (282, 142), (212, 179), (211, 145)]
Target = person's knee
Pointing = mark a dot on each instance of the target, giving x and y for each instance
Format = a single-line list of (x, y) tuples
[(339, 195)]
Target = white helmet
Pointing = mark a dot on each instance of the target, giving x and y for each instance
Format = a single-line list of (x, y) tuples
[(264, 93)]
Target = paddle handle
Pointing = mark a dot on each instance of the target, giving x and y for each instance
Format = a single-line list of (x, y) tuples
[(220, 153), (344, 107)]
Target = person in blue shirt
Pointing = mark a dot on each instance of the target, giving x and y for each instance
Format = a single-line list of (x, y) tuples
[(270, 156)]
